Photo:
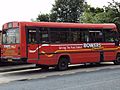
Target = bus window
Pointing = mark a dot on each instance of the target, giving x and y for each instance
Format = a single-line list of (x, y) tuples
[(11, 36), (32, 36), (84, 36), (96, 36), (44, 36), (54, 35), (78, 35), (110, 36), (64, 36), (59, 35), (75, 35)]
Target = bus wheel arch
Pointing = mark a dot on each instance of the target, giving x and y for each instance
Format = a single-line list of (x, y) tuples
[(63, 62), (117, 61)]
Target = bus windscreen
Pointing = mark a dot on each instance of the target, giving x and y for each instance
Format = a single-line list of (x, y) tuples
[(11, 36)]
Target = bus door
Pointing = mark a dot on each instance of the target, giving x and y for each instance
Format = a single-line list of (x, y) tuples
[(110, 44), (96, 38), (33, 46)]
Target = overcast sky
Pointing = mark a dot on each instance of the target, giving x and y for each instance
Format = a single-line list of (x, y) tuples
[(25, 10)]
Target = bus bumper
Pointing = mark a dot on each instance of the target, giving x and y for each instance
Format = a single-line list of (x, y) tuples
[(14, 60)]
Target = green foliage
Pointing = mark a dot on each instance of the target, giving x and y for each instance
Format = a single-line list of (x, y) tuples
[(107, 14), (101, 18), (53, 17), (114, 10), (64, 11), (92, 15), (43, 17), (67, 10), (87, 17)]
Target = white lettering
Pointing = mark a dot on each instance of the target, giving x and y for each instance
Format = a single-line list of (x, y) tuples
[(91, 45)]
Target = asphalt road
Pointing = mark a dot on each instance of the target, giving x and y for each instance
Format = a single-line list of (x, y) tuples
[(95, 79)]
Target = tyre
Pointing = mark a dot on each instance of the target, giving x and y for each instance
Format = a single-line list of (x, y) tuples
[(117, 61), (62, 64)]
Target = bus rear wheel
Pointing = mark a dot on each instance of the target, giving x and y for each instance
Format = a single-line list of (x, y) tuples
[(117, 61), (62, 64)]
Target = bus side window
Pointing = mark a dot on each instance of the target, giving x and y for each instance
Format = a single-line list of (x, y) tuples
[(32, 36), (110, 36), (78, 35), (44, 36), (96, 36), (84, 36), (75, 35), (59, 35), (54, 35)]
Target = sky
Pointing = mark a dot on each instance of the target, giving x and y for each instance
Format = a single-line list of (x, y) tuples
[(25, 10)]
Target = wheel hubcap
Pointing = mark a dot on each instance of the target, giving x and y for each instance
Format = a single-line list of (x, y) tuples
[(63, 64)]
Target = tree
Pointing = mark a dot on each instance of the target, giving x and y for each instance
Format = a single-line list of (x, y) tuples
[(63, 11), (114, 11), (43, 17), (102, 17), (87, 17), (90, 14), (107, 14), (67, 10), (53, 17)]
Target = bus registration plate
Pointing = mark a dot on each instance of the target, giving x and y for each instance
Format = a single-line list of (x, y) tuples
[(10, 60)]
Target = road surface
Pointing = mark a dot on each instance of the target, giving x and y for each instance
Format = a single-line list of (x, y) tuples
[(79, 78)]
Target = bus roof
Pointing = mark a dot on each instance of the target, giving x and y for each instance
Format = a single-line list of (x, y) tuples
[(68, 25)]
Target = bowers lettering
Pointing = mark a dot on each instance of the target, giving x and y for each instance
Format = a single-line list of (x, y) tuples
[(91, 45)]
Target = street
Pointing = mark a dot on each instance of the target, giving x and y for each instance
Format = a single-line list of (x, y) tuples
[(102, 77)]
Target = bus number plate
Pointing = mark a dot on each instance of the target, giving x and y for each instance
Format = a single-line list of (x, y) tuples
[(9, 60)]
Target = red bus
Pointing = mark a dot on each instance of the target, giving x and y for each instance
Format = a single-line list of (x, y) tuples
[(59, 44), (0, 41)]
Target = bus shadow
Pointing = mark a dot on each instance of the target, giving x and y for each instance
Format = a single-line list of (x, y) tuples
[(10, 64), (51, 70)]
